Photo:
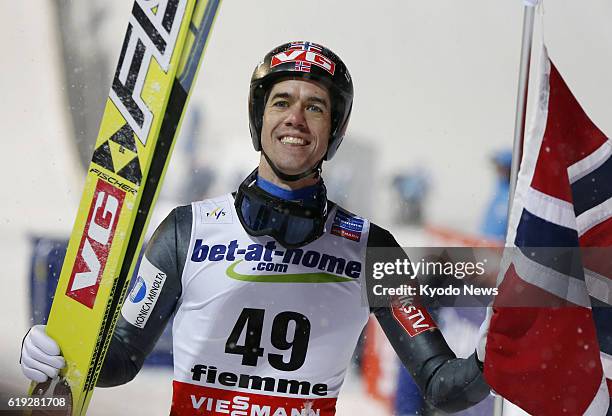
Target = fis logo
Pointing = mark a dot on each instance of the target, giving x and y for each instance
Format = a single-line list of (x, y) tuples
[(95, 244), (216, 213), (152, 33)]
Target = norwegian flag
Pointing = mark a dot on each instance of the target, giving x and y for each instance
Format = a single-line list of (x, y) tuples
[(553, 358), (302, 66), (306, 46)]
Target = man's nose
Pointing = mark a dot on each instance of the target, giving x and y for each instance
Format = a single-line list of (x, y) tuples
[(295, 117)]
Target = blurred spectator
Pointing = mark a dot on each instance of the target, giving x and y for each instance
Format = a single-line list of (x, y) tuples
[(412, 188), (495, 221)]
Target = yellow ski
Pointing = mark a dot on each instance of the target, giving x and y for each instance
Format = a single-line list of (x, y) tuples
[(159, 60)]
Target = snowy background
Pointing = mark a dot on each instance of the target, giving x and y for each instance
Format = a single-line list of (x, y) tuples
[(435, 89)]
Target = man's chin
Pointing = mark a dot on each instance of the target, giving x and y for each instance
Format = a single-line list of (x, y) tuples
[(292, 170)]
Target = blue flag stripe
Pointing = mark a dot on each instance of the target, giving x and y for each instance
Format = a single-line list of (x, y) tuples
[(565, 260), (534, 231), (603, 323), (593, 189)]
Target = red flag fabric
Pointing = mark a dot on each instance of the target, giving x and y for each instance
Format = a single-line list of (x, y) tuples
[(547, 331)]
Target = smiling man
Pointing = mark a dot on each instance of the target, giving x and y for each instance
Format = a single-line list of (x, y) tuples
[(266, 282), (296, 128)]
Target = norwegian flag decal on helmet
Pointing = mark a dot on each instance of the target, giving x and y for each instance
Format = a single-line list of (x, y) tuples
[(306, 46), (302, 66)]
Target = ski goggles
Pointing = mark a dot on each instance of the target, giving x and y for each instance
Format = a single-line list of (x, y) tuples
[(292, 223)]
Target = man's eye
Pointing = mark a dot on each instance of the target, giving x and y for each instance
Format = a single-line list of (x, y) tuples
[(314, 108), (280, 104)]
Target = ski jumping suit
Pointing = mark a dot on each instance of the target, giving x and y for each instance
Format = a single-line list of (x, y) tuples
[(264, 330)]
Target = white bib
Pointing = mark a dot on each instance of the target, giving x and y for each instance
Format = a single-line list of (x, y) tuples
[(264, 330)]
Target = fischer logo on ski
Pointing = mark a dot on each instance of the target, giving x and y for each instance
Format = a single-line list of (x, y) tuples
[(121, 146), (95, 244), (148, 35)]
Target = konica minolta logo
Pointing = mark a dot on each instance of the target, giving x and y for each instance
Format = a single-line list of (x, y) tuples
[(144, 294), (139, 290), (270, 258)]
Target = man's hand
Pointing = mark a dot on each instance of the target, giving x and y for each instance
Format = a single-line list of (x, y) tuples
[(482, 335), (40, 355)]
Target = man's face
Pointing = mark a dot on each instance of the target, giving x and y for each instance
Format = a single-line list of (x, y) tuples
[(296, 125)]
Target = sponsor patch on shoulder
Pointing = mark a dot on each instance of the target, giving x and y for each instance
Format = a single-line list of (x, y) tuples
[(347, 226), (143, 296), (216, 211), (413, 317)]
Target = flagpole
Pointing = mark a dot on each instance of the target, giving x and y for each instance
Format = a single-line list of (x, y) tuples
[(521, 100), (519, 124)]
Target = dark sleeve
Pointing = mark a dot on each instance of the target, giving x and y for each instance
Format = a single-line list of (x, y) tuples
[(130, 345), (449, 383)]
